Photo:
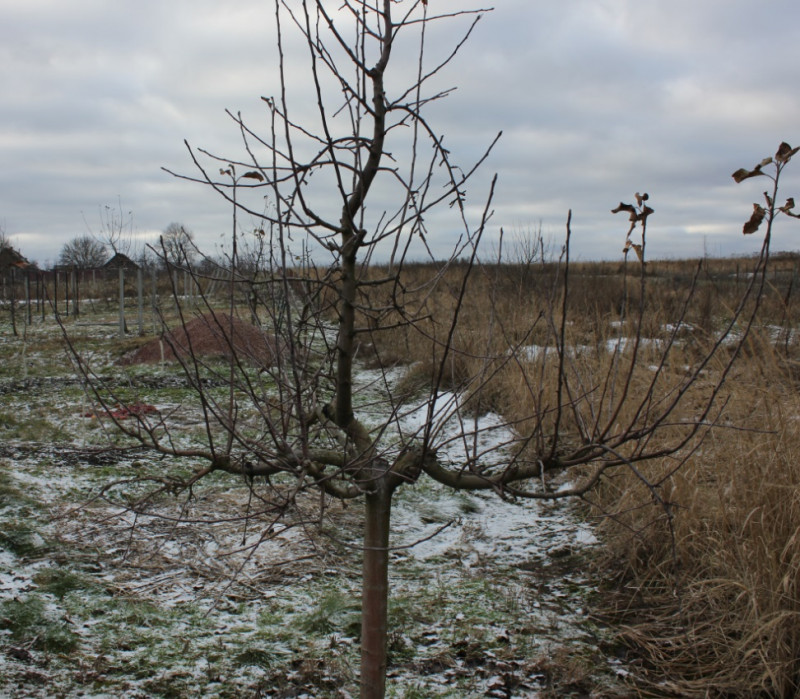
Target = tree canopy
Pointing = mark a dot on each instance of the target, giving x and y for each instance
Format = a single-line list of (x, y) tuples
[(83, 252)]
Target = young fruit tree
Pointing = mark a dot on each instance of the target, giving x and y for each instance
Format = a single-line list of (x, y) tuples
[(349, 171)]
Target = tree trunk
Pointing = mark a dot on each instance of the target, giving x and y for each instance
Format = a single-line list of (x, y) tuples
[(375, 593)]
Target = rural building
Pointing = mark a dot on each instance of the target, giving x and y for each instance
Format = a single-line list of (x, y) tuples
[(120, 260), (11, 258)]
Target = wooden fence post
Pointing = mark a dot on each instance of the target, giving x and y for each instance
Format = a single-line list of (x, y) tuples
[(140, 292), (13, 302), (121, 302), (154, 300), (28, 310), (73, 275), (67, 291)]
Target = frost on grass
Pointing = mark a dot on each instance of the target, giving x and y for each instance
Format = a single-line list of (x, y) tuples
[(214, 595)]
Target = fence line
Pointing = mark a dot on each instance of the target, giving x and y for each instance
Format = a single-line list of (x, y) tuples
[(32, 294)]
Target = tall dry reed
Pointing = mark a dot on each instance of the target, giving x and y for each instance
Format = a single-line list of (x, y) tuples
[(713, 601), (710, 586)]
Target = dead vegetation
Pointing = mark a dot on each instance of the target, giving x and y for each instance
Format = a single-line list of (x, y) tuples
[(705, 587), (717, 610), (712, 609)]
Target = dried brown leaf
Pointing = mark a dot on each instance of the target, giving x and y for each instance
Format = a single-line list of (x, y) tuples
[(630, 208), (755, 220), (785, 152), (646, 211), (741, 174), (787, 208), (624, 207)]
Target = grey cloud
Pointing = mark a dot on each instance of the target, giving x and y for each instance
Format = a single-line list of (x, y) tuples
[(597, 99)]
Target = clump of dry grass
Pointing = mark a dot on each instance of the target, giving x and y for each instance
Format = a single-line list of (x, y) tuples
[(714, 603), (504, 349), (709, 595)]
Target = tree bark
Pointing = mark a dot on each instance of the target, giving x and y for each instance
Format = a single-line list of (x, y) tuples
[(375, 592)]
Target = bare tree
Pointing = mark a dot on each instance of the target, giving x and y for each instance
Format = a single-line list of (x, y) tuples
[(83, 252), (116, 228), (177, 245), (370, 141)]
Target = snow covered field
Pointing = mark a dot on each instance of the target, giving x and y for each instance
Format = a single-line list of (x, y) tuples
[(489, 597)]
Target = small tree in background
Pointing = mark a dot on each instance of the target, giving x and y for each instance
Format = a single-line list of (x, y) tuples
[(361, 177), (83, 252), (176, 245), (115, 230)]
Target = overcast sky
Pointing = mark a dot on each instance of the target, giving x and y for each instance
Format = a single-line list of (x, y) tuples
[(597, 99)]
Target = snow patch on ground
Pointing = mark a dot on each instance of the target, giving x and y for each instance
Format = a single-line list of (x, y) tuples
[(179, 602), (478, 524)]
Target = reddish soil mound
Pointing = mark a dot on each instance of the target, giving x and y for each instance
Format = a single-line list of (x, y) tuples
[(210, 335)]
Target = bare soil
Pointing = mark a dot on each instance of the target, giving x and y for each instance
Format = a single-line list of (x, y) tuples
[(213, 334)]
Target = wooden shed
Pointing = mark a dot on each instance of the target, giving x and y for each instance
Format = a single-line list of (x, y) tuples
[(120, 260)]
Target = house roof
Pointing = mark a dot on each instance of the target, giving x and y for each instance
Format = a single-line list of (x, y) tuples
[(120, 260), (11, 258)]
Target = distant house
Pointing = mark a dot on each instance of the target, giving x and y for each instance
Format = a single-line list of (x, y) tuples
[(11, 258), (120, 260)]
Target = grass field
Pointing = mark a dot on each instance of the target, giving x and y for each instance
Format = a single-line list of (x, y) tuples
[(209, 595), (705, 592), (701, 597)]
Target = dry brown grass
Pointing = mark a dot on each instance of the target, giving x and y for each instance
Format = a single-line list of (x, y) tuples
[(714, 604), (708, 593)]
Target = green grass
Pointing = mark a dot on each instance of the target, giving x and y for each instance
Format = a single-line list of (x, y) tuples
[(11, 495), (21, 539), (92, 632), (26, 423), (30, 623), (59, 581), (20, 517), (335, 611)]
